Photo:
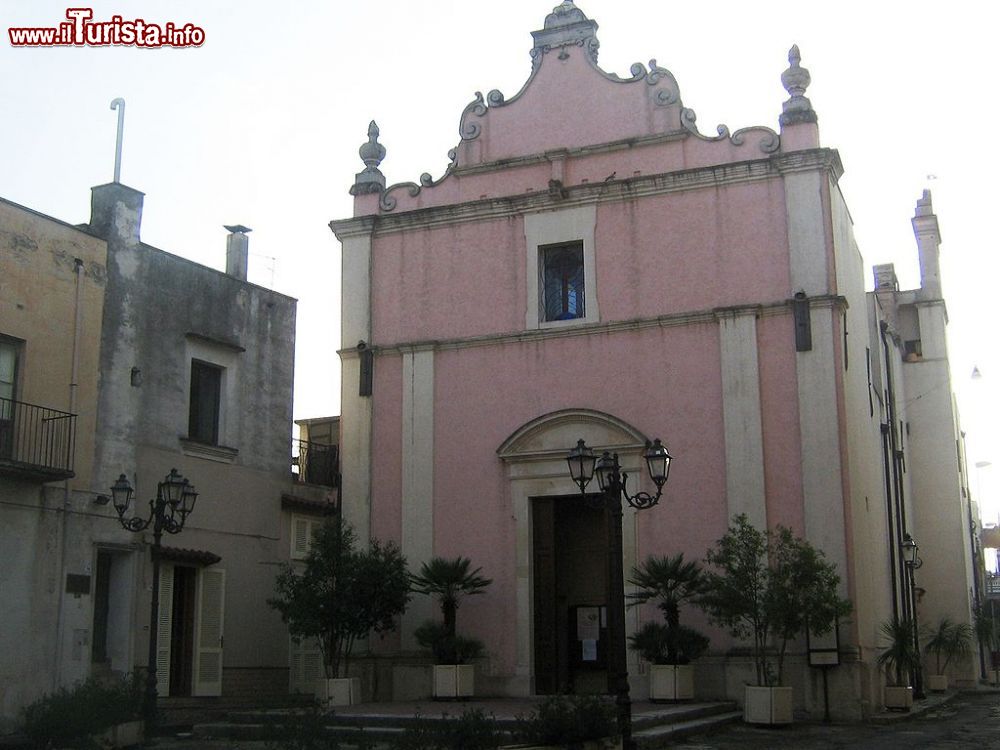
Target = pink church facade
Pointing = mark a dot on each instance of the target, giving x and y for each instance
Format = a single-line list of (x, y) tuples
[(614, 277)]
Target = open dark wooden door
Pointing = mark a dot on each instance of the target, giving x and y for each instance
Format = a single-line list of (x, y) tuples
[(546, 629)]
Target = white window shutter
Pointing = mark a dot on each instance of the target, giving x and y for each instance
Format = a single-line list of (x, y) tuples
[(305, 665), (209, 619), (301, 537), (164, 627)]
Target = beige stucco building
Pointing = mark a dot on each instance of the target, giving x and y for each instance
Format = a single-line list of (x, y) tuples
[(160, 363), (52, 284)]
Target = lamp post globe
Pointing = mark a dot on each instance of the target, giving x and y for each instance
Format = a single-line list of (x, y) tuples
[(581, 464)]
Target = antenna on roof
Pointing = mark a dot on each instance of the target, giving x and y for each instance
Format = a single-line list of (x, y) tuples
[(119, 104)]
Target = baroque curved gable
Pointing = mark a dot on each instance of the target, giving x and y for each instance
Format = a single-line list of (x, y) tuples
[(569, 104)]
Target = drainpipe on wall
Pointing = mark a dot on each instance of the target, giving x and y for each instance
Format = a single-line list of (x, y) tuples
[(67, 492), (895, 489), (890, 524)]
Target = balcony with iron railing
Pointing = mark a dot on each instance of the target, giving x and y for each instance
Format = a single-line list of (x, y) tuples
[(315, 463), (36, 443), (993, 585)]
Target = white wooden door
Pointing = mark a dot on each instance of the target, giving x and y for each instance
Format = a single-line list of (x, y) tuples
[(209, 620), (164, 626), (305, 660)]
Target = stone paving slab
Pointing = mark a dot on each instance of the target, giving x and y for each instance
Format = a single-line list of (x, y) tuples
[(954, 721)]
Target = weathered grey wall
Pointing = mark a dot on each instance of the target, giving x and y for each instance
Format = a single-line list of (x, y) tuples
[(161, 310), (155, 303)]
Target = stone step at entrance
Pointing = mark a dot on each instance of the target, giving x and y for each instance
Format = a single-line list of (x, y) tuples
[(654, 725), (175, 714)]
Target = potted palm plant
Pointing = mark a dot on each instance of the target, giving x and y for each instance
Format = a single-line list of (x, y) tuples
[(770, 586), (669, 647), (449, 581), (949, 640), (900, 658)]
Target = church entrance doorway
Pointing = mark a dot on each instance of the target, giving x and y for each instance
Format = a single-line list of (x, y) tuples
[(570, 554)]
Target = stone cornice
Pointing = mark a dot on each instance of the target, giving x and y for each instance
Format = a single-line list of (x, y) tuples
[(567, 153), (936, 302), (359, 226), (604, 192), (696, 317)]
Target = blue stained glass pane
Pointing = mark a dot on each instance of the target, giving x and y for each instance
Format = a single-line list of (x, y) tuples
[(563, 282)]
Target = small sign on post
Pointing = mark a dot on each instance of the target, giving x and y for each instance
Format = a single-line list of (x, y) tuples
[(824, 653)]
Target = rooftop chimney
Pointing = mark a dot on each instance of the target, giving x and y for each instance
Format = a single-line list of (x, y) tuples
[(925, 229), (116, 213), (885, 278), (236, 251)]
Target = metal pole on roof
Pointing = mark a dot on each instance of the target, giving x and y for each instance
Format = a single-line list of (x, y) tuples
[(119, 104)]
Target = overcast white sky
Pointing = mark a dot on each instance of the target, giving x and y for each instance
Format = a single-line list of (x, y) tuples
[(261, 126)]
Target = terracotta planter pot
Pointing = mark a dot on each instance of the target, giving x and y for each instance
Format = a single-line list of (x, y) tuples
[(899, 698), (454, 680), (669, 682), (343, 691), (767, 705)]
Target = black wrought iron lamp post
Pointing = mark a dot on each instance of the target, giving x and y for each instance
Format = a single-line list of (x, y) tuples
[(175, 499), (583, 465), (913, 562)]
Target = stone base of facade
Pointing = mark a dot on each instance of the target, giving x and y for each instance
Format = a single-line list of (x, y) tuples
[(854, 687), (256, 685)]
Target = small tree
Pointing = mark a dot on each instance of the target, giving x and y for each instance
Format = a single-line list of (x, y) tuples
[(670, 582), (951, 640), (449, 581), (343, 593), (770, 586), (804, 590)]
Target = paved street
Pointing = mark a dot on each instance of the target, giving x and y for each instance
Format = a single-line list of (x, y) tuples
[(968, 721)]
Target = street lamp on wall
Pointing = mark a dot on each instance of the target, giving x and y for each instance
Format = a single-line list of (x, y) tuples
[(583, 465), (909, 549), (174, 502), (613, 483)]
